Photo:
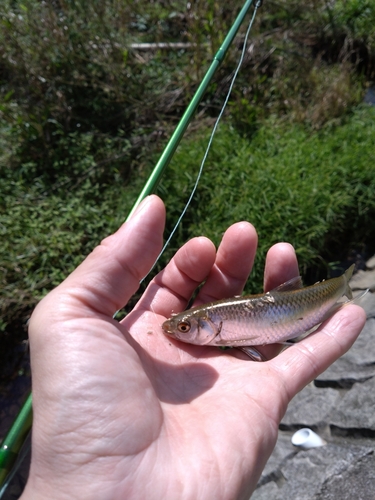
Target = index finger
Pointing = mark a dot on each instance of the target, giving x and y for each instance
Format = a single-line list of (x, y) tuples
[(233, 263), (225, 272)]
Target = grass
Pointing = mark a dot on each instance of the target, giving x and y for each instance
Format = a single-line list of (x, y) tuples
[(314, 189), (46, 235)]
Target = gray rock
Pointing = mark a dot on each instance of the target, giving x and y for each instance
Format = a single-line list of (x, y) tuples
[(344, 373), (356, 410), (283, 450), (368, 304), (306, 475), (357, 365), (357, 482), (370, 264), (363, 351), (314, 467), (268, 491), (311, 407), (363, 280)]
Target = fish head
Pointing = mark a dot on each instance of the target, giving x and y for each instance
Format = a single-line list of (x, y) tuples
[(193, 328)]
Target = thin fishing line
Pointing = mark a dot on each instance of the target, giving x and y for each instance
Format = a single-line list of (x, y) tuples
[(257, 5)]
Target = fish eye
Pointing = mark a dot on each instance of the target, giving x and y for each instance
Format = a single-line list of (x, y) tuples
[(183, 327)]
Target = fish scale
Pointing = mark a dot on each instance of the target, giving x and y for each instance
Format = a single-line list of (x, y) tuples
[(276, 316)]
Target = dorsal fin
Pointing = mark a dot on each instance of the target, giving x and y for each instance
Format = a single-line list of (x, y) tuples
[(293, 284)]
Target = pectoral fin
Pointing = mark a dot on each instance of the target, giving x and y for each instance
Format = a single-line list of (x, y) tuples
[(253, 353)]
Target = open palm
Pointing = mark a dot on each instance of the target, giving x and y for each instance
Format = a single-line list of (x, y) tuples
[(123, 412)]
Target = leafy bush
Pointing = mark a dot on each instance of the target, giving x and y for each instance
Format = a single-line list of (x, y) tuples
[(357, 18), (46, 235), (315, 190)]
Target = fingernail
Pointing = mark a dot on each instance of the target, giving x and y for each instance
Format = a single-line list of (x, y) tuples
[(140, 207)]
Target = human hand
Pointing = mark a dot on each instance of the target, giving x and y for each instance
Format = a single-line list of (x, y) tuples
[(123, 412)]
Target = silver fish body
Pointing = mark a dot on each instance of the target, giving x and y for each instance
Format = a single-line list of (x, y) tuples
[(276, 316)]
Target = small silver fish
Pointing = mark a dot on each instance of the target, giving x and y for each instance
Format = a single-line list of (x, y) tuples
[(273, 317)]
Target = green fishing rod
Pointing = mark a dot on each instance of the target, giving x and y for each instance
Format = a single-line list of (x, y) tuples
[(176, 137), (15, 438)]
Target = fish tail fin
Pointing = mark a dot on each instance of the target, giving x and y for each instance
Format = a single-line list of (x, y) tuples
[(347, 275), (357, 300)]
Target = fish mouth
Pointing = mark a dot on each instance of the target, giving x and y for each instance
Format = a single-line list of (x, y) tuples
[(167, 328)]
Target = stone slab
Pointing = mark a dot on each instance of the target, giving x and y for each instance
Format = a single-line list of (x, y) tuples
[(356, 410), (344, 373), (311, 407), (269, 491), (363, 280), (283, 450), (367, 302), (357, 365), (370, 264), (358, 482), (307, 474), (362, 352)]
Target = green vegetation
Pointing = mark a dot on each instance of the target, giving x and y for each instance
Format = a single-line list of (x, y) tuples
[(315, 190), (84, 116)]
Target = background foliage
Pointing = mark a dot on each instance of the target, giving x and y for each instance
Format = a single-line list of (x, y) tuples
[(313, 189), (84, 116)]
